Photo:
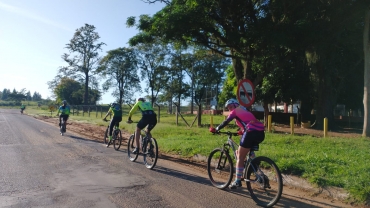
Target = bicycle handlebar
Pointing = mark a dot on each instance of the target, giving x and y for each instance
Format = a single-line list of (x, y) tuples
[(227, 132)]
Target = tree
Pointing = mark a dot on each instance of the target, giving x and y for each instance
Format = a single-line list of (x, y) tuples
[(73, 91), (5, 94), (366, 39), (83, 56), (29, 97), (36, 96), (70, 90), (17, 96), (229, 86), (152, 61), (120, 68)]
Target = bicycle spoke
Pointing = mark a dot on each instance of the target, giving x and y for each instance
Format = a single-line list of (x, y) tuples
[(265, 184), (220, 168), (130, 147), (117, 140), (151, 154)]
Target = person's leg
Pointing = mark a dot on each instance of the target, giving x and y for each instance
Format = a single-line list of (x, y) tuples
[(60, 120), (65, 121), (111, 126), (137, 137), (241, 153), (151, 125)]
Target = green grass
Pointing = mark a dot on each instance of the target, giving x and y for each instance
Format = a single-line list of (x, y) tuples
[(339, 162)]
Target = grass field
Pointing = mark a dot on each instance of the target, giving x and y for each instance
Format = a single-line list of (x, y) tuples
[(339, 162)]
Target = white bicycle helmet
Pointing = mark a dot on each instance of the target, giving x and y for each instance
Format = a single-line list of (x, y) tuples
[(231, 101)]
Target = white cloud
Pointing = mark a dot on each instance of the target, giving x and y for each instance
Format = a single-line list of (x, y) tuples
[(30, 15)]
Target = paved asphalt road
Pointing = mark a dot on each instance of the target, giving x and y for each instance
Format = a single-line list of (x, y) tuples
[(41, 168)]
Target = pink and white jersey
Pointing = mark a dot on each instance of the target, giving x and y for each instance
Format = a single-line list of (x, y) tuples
[(245, 119)]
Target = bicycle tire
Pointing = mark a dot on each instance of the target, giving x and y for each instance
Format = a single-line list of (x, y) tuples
[(265, 185), (117, 141), (106, 136), (220, 168), (130, 147), (61, 127), (151, 156)]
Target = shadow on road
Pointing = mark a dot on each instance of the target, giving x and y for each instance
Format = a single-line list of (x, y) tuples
[(287, 199)]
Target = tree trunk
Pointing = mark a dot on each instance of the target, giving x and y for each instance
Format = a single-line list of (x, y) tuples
[(266, 113), (86, 94), (366, 128), (199, 115), (238, 67), (326, 97)]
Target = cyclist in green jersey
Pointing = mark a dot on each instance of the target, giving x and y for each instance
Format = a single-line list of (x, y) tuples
[(117, 117), (22, 108), (64, 111), (149, 119)]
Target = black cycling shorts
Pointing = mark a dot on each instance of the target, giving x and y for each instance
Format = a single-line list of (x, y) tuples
[(252, 138), (149, 120), (65, 117)]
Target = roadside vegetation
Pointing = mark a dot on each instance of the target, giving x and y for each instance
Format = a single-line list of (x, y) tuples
[(331, 161)]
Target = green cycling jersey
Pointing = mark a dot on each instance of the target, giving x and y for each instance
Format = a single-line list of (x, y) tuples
[(117, 112), (64, 110), (142, 106)]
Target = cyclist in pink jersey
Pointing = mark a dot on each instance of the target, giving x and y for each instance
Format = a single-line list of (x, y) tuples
[(253, 133)]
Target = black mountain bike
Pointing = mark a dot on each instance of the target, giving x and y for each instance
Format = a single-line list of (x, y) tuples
[(149, 149), (262, 176), (116, 137)]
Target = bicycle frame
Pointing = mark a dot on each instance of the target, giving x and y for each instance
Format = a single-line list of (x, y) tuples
[(231, 143)]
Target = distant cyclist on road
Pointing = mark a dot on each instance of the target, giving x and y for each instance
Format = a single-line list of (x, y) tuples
[(253, 134), (149, 119), (117, 117), (64, 111), (22, 108)]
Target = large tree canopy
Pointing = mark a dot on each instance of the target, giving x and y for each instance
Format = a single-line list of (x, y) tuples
[(83, 56)]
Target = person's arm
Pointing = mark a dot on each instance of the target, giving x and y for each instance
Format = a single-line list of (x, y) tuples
[(105, 117), (231, 116), (133, 110)]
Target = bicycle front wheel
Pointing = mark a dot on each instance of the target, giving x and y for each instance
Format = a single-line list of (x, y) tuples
[(151, 155), (220, 168), (118, 140), (106, 136), (264, 181), (62, 127), (131, 144)]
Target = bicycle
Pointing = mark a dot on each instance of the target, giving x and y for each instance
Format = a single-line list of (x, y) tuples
[(149, 148), (261, 174), (63, 126), (116, 136)]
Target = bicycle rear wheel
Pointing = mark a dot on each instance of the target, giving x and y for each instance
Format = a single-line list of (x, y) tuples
[(264, 181), (131, 144), (106, 136), (117, 140), (151, 156), (220, 168)]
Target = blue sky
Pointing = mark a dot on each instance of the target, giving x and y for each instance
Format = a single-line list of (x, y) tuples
[(34, 33)]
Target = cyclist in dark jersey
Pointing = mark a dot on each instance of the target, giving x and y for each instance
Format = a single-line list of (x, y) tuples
[(149, 119), (64, 111), (117, 117)]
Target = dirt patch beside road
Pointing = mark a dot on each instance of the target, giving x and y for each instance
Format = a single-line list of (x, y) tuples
[(294, 187)]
